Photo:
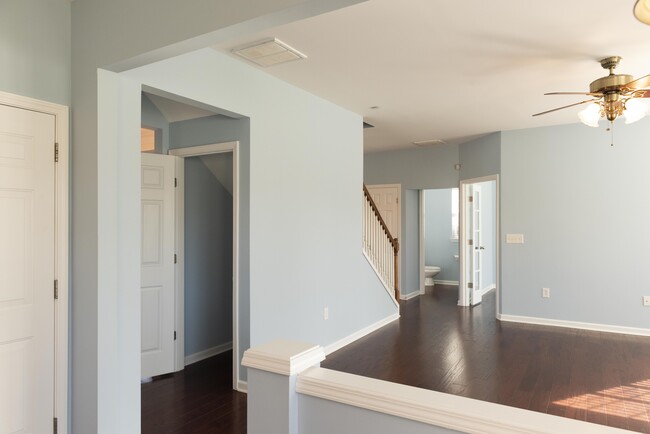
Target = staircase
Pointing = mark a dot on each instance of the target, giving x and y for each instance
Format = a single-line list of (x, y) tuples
[(379, 246)]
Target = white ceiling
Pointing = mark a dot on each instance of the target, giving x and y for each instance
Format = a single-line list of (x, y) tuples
[(454, 70)]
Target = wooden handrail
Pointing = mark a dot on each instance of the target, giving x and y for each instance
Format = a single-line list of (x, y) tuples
[(394, 242)]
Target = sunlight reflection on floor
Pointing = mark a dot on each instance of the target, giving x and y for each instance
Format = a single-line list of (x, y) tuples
[(625, 401)]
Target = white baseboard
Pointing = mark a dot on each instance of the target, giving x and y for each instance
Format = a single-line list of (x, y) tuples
[(445, 282), (242, 386), (358, 335), (410, 295), (575, 325), (202, 355), (488, 289)]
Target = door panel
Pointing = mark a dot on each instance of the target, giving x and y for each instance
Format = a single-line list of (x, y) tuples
[(387, 201), (27, 249), (477, 246), (157, 262)]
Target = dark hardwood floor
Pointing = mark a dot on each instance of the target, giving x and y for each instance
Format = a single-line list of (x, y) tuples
[(602, 378), (197, 400), (597, 377)]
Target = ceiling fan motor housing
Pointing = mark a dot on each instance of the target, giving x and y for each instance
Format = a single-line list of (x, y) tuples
[(610, 83)]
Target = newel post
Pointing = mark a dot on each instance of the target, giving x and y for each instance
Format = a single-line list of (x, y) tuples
[(272, 372)]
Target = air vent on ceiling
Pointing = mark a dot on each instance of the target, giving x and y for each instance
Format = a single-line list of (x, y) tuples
[(268, 52), (367, 125), (428, 143)]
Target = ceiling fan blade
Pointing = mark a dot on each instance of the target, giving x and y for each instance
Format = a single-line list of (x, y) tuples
[(639, 83), (575, 93), (566, 106)]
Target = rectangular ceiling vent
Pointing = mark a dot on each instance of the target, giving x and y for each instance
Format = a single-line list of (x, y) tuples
[(429, 143), (268, 52)]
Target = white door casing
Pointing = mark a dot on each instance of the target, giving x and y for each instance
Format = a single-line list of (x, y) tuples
[(387, 200), (475, 250), (157, 262), (27, 270)]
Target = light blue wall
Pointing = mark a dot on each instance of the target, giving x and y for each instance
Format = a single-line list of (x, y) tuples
[(415, 169), (208, 259), (581, 206), (217, 129), (412, 238), (35, 49), (438, 248), (297, 164), (480, 157), (152, 118)]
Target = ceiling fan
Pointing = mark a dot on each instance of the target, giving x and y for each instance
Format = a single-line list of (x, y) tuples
[(612, 96)]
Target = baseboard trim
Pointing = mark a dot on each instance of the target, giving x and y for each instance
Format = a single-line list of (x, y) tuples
[(445, 282), (410, 295), (359, 334), (575, 325), (488, 289), (202, 355), (242, 386)]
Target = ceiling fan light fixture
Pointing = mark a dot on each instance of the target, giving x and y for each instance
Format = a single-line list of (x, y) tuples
[(634, 110), (642, 11), (590, 115)]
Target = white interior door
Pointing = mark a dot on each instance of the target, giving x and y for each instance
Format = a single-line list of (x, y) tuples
[(476, 248), (386, 198), (157, 262), (27, 254)]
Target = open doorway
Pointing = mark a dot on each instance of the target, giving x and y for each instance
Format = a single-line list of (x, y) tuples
[(479, 236), (190, 232)]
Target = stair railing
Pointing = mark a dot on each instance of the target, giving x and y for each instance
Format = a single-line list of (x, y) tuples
[(379, 245)]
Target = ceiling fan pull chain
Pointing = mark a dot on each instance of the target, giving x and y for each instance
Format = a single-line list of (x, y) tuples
[(611, 129)]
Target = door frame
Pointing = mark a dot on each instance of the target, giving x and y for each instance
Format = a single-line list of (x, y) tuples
[(61, 240), (463, 296), (195, 151)]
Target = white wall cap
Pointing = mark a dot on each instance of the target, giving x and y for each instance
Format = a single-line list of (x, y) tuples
[(283, 357)]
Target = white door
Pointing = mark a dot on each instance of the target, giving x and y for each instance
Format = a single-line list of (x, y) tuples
[(386, 198), (476, 247), (27, 253), (157, 262)]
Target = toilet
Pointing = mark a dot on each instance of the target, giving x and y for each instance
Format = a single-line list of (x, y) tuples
[(429, 272)]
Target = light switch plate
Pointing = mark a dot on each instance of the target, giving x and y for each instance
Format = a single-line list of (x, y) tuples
[(514, 238)]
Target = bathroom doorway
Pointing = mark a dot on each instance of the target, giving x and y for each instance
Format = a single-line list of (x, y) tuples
[(439, 236)]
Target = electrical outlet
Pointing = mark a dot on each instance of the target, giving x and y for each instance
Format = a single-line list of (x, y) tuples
[(546, 292), (646, 300), (326, 313)]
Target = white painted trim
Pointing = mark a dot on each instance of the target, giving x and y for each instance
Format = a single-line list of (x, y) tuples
[(217, 148), (445, 282), (422, 235), (463, 299), (179, 293), (488, 289), (335, 346), (62, 237), (283, 357), (435, 408), (206, 354), (242, 386), (391, 292), (575, 325), (410, 295)]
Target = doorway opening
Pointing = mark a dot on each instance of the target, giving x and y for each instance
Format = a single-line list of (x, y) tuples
[(479, 240)]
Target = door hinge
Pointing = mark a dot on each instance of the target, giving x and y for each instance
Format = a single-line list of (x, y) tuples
[(56, 152), (175, 182), (470, 242), (397, 200), (175, 258), (470, 285), (56, 289), (174, 334), (55, 426), (471, 199)]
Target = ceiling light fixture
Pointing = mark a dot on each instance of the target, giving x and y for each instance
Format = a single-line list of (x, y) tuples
[(268, 52), (642, 11), (612, 96)]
